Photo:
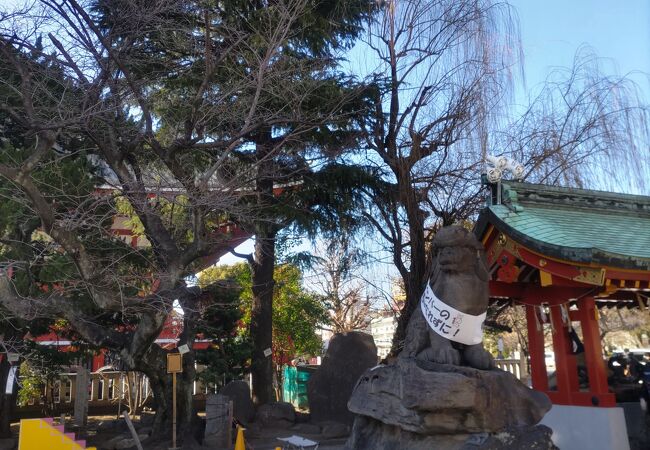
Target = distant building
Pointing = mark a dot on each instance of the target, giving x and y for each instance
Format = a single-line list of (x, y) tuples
[(382, 328), (383, 323)]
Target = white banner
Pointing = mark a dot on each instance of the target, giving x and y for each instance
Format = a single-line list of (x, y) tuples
[(11, 377), (449, 322)]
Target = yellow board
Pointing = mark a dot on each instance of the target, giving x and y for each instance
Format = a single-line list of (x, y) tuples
[(39, 434), (174, 363), (240, 442)]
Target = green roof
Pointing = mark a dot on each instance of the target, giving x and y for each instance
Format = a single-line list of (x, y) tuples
[(573, 224)]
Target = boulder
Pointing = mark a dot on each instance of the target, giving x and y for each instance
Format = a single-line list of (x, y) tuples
[(277, 414), (332, 430), (430, 398), (419, 404), (329, 388), (240, 394), (370, 434)]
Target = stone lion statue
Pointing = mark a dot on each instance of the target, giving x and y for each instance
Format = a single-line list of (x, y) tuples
[(459, 283)]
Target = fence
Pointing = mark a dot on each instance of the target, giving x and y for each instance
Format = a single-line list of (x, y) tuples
[(517, 367), (105, 387), (108, 392)]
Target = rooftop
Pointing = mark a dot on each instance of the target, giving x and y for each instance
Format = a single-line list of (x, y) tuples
[(577, 225)]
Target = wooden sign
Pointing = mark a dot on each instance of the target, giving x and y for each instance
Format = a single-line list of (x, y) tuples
[(174, 363)]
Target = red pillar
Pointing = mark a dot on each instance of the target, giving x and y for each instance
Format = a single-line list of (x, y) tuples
[(566, 369), (99, 360), (594, 353), (538, 373)]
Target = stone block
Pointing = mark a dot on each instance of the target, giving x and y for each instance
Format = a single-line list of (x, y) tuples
[(279, 414), (217, 420)]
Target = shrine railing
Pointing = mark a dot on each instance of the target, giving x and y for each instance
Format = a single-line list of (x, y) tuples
[(106, 390), (518, 367)]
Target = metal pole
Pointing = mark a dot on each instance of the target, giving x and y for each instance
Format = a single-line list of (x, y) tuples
[(132, 430)]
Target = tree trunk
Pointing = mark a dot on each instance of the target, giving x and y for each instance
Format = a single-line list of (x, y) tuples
[(262, 267), (262, 316), (185, 381), (413, 293), (154, 366), (418, 271)]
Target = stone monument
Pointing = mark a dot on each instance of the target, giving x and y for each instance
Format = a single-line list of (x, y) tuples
[(81, 397), (240, 394), (443, 391), (329, 388)]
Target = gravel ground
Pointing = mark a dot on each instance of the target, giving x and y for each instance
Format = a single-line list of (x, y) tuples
[(264, 439)]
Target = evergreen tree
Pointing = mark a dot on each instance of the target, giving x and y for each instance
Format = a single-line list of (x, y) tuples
[(177, 118)]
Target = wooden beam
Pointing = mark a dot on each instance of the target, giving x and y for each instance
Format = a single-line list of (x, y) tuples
[(548, 294)]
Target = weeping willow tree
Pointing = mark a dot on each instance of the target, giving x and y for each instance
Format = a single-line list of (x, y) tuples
[(444, 76)]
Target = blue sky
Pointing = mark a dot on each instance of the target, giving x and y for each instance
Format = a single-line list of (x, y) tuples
[(552, 31)]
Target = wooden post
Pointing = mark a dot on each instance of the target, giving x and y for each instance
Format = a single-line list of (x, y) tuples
[(174, 410), (594, 352), (566, 368), (94, 392), (174, 366), (105, 384), (536, 351), (523, 366)]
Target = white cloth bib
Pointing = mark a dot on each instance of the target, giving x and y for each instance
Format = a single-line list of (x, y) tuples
[(449, 322)]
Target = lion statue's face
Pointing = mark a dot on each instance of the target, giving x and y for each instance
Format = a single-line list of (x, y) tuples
[(456, 251), (456, 259)]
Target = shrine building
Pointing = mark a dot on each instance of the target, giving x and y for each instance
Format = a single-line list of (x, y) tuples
[(563, 254)]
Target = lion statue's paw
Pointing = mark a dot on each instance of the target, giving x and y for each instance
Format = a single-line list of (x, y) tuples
[(477, 357), (442, 355)]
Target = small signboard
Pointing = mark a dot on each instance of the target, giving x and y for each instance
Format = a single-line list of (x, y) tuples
[(184, 349), (174, 363), (267, 352), (11, 378), (13, 357)]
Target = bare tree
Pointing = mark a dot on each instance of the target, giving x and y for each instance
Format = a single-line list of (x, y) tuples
[(132, 112), (632, 324), (337, 275), (443, 100)]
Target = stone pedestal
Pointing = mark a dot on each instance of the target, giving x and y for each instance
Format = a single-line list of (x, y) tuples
[(81, 397), (417, 405)]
